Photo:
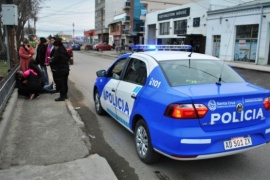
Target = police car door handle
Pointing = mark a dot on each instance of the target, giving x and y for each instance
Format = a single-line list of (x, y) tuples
[(113, 90), (133, 96)]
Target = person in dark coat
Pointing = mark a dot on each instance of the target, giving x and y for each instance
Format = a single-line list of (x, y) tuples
[(60, 69), (30, 82), (52, 50), (41, 58)]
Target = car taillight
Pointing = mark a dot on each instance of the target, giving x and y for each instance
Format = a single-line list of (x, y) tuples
[(186, 111), (266, 103)]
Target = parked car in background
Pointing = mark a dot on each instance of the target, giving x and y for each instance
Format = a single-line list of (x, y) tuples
[(102, 47), (68, 47), (87, 47), (76, 47)]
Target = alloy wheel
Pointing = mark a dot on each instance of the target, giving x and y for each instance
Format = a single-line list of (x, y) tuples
[(142, 141)]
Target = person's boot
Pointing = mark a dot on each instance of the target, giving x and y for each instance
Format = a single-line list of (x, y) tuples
[(61, 98)]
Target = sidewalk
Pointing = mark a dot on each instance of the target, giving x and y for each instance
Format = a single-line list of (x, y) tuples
[(44, 140)]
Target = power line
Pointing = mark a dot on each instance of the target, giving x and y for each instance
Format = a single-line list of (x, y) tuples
[(196, 2), (63, 9)]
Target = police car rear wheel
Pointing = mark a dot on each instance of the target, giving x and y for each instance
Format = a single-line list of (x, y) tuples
[(143, 144), (98, 106)]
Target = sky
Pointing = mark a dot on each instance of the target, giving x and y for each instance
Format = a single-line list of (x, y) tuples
[(59, 15)]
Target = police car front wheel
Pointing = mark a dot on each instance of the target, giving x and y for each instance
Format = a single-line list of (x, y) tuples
[(143, 144), (98, 106)]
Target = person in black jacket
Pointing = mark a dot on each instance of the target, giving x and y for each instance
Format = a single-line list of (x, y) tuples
[(30, 82), (60, 69), (41, 58)]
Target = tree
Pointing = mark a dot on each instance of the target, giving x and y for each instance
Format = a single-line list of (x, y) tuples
[(27, 10)]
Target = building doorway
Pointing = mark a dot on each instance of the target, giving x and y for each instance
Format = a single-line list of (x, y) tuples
[(197, 42), (216, 45)]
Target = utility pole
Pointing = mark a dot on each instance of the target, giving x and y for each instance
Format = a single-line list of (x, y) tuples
[(35, 29), (73, 31), (11, 43)]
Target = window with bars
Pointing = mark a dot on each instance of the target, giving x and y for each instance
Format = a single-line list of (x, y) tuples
[(164, 28), (180, 27)]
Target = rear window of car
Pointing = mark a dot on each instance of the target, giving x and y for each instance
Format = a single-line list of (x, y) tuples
[(66, 45), (186, 72)]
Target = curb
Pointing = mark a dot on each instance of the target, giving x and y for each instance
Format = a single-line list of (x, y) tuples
[(76, 117), (7, 116), (80, 124), (105, 54)]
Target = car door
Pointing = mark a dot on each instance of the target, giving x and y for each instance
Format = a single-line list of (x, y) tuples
[(109, 98), (132, 82)]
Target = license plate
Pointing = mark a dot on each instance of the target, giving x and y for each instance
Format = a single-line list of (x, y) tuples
[(237, 143)]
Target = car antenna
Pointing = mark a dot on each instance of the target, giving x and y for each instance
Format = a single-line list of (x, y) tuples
[(219, 79), (193, 49)]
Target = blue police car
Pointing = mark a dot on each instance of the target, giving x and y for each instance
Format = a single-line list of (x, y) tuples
[(183, 105)]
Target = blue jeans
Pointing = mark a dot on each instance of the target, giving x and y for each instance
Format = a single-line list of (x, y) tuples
[(45, 74)]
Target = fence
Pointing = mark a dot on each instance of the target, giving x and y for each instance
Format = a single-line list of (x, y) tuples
[(7, 85)]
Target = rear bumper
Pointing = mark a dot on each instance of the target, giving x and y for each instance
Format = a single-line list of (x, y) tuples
[(209, 156), (190, 143)]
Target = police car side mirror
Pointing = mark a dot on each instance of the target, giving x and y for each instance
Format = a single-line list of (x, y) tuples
[(101, 73)]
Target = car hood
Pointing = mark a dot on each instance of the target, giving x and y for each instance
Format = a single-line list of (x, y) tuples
[(230, 105)]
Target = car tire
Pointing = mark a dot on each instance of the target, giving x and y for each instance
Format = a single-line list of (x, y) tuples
[(98, 107), (143, 144)]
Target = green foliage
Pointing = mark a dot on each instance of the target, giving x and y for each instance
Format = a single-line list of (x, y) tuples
[(33, 44), (3, 68)]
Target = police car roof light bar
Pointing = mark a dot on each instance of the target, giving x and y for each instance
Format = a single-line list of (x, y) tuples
[(161, 47)]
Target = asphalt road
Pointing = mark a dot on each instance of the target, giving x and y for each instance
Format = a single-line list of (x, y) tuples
[(110, 140), (256, 77)]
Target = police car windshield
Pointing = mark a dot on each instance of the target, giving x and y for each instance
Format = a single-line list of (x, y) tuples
[(186, 72)]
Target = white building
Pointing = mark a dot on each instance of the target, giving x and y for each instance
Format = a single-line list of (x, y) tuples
[(240, 33), (182, 24)]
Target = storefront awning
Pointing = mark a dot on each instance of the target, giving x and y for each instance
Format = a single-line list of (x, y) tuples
[(181, 36), (116, 21), (132, 33), (192, 35)]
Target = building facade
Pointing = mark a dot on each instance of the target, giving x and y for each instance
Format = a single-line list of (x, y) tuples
[(240, 33), (118, 21), (185, 24), (158, 5), (90, 37), (105, 10), (127, 27)]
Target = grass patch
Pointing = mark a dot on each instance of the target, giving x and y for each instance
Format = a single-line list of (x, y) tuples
[(3, 68)]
